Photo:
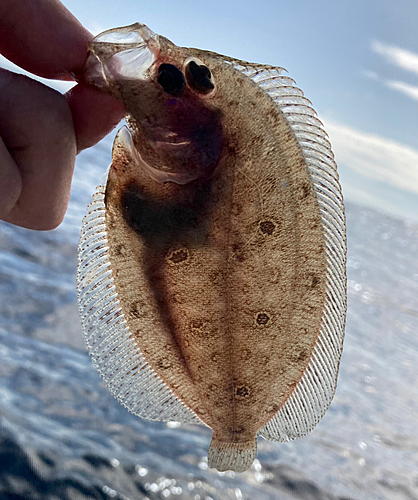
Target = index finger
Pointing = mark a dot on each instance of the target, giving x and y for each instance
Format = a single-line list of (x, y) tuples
[(32, 28)]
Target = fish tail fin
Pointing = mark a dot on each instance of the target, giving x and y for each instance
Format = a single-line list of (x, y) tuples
[(225, 455)]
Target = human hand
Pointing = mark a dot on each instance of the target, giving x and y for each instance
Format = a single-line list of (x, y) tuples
[(41, 131)]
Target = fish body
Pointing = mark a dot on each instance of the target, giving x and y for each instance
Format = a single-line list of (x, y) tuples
[(211, 273)]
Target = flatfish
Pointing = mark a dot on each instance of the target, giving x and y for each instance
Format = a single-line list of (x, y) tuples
[(211, 268)]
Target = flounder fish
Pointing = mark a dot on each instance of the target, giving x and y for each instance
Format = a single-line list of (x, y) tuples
[(211, 269)]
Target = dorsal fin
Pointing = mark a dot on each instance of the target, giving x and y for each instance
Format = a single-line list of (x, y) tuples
[(313, 395)]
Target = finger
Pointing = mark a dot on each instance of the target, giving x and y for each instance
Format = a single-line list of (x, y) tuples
[(95, 114), (10, 181), (43, 37), (37, 130)]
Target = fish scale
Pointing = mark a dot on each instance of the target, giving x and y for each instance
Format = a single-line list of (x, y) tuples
[(224, 235)]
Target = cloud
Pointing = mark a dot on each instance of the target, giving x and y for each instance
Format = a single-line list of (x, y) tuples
[(405, 88), (370, 74), (375, 157), (395, 55), (402, 58)]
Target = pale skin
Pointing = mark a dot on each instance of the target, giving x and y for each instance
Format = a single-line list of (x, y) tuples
[(41, 130)]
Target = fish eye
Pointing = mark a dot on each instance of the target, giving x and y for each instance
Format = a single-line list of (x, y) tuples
[(171, 79), (198, 76)]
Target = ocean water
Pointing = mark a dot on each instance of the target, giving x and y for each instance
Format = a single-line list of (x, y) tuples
[(63, 436)]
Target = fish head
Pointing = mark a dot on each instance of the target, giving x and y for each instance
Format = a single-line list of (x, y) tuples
[(175, 126)]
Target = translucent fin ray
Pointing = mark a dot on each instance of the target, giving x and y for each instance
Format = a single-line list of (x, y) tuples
[(312, 396), (107, 336)]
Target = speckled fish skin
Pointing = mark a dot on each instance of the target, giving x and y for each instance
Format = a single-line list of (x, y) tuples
[(215, 241)]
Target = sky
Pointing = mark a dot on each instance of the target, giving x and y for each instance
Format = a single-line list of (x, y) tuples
[(356, 61)]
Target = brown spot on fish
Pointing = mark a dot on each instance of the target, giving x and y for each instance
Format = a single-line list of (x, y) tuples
[(315, 280), (197, 324), (262, 319), (118, 249), (300, 355), (242, 392), (267, 227), (238, 251), (136, 309), (216, 277), (273, 409), (304, 191), (164, 364)]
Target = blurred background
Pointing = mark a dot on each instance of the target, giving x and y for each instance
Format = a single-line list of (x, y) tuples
[(61, 433)]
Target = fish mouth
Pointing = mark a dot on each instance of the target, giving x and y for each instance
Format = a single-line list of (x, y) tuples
[(170, 144), (160, 175), (177, 157), (182, 140), (171, 140)]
